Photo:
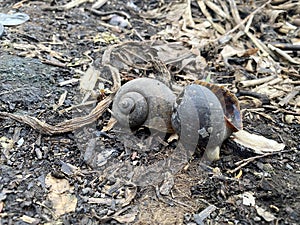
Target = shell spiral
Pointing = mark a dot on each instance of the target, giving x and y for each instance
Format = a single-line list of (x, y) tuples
[(144, 102)]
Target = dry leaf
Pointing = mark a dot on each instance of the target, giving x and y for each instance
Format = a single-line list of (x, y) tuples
[(130, 193), (61, 100), (60, 195), (229, 51), (248, 198), (265, 214), (98, 4), (112, 121), (28, 219), (74, 3), (127, 218), (6, 143), (101, 201), (89, 79), (258, 143)]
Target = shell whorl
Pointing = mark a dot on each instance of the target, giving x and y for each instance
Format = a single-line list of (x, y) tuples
[(131, 110), (144, 102)]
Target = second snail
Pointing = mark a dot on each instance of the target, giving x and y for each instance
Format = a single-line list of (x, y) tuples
[(203, 114)]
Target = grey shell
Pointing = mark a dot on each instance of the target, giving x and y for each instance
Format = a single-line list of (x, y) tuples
[(144, 102), (198, 118)]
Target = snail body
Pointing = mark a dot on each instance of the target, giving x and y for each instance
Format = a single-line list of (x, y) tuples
[(200, 117), (144, 102)]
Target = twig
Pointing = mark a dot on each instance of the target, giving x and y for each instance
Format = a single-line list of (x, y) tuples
[(235, 12), (205, 12), (98, 4), (283, 54), (290, 96), (245, 162), (182, 204), (243, 21), (249, 83), (77, 106), (53, 63), (269, 83), (74, 3), (280, 110), (287, 47), (100, 13), (50, 210)]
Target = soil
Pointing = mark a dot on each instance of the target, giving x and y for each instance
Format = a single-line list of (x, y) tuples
[(85, 175)]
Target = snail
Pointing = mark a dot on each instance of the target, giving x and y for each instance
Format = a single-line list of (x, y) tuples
[(205, 115), (144, 102)]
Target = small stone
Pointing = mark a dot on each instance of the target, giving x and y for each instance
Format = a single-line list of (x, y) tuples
[(257, 219), (38, 153), (86, 190), (289, 167), (20, 142), (187, 217), (289, 118), (135, 162)]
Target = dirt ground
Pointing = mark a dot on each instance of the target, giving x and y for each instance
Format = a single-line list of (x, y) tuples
[(65, 161)]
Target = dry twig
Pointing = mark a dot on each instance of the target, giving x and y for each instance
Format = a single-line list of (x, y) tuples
[(245, 162)]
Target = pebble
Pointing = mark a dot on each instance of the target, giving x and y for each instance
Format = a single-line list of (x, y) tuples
[(289, 167), (257, 219), (38, 153), (86, 190), (289, 119)]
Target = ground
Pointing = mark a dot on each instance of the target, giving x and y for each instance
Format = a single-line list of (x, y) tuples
[(64, 160)]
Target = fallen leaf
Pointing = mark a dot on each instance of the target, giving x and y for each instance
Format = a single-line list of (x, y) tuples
[(229, 51), (112, 121), (88, 82), (130, 193), (89, 79), (28, 219), (127, 218), (6, 143), (258, 143), (60, 195), (167, 184), (248, 199), (61, 100), (13, 19), (265, 214)]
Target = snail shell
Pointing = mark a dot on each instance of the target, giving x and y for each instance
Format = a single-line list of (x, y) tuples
[(230, 105), (144, 102), (199, 117)]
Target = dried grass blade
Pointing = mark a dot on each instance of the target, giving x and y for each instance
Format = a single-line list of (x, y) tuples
[(66, 126)]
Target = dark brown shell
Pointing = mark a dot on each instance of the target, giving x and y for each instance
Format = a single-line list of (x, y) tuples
[(230, 105)]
